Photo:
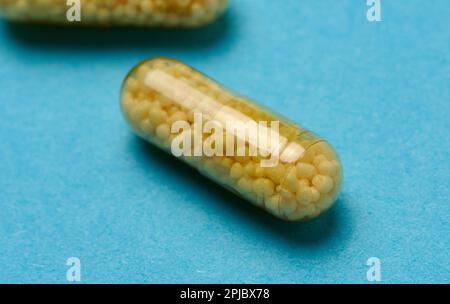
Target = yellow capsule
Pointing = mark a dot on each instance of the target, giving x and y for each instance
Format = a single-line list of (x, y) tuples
[(274, 163), (167, 13)]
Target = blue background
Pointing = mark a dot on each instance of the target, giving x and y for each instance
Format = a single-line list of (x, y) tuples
[(74, 181)]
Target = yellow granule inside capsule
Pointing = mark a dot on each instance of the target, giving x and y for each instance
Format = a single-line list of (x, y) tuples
[(160, 93), (170, 13)]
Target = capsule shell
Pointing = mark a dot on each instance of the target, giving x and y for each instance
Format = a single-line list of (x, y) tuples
[(167, 13), (263, 157)]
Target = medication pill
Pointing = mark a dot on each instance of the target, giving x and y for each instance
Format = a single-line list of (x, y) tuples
[(169, 13), (265, 158)]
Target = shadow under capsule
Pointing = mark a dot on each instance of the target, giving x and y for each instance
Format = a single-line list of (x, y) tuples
[(116, 37), (312, 233)]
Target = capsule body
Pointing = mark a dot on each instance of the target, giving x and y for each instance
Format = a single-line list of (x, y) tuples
[(170, 13), (273, 163)]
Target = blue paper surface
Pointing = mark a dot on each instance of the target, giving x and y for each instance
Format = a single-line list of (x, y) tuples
[(75, 182)]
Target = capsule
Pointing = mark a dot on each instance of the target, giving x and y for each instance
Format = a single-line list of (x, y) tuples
[(261, 156), (169, 13)]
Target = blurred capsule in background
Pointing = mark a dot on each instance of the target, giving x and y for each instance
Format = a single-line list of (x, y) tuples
[(163, 13)]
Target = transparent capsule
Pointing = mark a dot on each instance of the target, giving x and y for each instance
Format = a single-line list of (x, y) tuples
[(272, 162), (170, 13)]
